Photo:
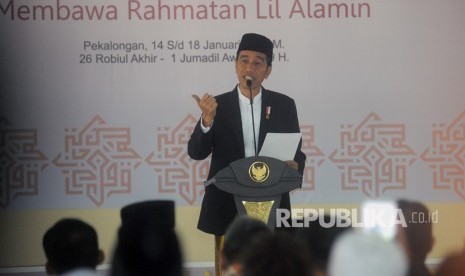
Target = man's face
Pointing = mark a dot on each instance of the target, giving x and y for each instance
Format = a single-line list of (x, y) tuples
[(252, 64)]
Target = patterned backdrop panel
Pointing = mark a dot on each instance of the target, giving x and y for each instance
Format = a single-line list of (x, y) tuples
[(21, 162), (373, 156), (176, 172), (96, 108), (98, 160), (315, 157), (446, 156)]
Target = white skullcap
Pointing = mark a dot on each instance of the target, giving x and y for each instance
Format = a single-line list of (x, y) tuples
[(359, 254)]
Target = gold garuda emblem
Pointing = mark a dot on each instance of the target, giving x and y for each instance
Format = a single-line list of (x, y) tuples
[(259, 171)]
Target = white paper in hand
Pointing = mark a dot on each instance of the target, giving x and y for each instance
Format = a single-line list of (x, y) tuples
[(281, 146)]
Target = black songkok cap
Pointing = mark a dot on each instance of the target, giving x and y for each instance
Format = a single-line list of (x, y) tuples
[(152, 212), (258, 43)]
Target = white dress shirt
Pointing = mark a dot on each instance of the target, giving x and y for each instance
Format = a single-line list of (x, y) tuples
[(246, 118)]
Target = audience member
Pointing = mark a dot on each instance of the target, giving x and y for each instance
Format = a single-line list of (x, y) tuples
[(361, 254), (418, 235), (71, 247), (319, 238), (147, 243), (277, 254), (238, 237)]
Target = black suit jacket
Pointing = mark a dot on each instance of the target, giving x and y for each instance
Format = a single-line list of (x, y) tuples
[(226, 144)]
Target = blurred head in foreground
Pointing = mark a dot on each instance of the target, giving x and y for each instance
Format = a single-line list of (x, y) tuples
[(147, 243), (71, 244), (359, 254)]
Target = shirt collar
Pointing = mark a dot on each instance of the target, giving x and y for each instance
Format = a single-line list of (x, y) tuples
[(243, 98)]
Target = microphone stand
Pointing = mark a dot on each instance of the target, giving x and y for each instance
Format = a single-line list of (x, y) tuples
[(249, 84)]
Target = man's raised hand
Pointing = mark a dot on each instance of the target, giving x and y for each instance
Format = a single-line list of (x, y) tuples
[(208, 106)]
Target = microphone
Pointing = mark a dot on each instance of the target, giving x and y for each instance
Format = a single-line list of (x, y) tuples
[(249, 80)]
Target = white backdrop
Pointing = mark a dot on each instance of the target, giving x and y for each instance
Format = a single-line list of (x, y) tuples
[(379, 91)]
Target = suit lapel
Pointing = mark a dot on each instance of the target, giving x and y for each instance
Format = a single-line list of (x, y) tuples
[(237, 121), (264, 122)]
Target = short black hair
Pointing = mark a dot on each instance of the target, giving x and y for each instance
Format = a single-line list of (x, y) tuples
[(319, 240), (70, 244), (239, 235), (277, 254)]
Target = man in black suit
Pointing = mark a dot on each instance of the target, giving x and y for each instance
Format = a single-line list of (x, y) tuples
[(225, 129)]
